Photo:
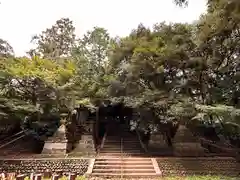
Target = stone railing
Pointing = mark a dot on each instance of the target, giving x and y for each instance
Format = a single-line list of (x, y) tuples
[(140, 138), (8, 129)]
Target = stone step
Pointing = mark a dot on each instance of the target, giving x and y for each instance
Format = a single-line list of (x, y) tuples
[(135, 175), (137, 147), (119, 150), (121, 154), (123, 170), (129, 162), (119, 140), (122, 132), (129, 166), (125, 146), (123, 143), (108, 147), (127, 137), (128, 159)]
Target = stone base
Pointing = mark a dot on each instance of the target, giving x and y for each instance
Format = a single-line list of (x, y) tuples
[(158, 147), (156, 140), (58, 143), (238, 157), (86, 145), (188, 149), (56, 147)]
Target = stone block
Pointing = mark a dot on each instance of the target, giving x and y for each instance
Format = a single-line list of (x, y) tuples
[(58, 143), (188, 149), (156, 139), (56, 147), (86, 144)]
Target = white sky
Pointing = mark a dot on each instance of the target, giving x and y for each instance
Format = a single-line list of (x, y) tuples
[(21, 19)]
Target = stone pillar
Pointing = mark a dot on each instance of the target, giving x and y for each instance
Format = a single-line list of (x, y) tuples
[(238, 157), (58, 143), (96, 127), (185, 144), (157, 145), (86, 144), (82, 116)]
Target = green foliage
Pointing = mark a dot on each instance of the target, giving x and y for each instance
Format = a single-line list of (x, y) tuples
[(6, 49), (35, 84), (182, 110), (48, 71), (176, 70), (91, 56), (56, 41), (226, 113), (181, 2)]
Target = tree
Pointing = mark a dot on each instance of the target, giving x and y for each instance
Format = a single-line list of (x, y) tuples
[(91, 55), (181, 2), (56, 41), (194, 62), (172, 71), (5, 49), (37, 81)]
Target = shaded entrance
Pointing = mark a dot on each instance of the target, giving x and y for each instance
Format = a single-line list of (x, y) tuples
[(110, 114), (92, 125)]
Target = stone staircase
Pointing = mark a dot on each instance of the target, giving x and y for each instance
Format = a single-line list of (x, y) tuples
[(122, 146), (124, 167), (122, 156)]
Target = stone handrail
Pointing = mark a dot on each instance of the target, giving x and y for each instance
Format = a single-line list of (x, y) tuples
[(90, 167), (229, 150), (141, 142)]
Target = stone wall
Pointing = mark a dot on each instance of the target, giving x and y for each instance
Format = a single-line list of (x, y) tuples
[(79, 166), (218, 166)]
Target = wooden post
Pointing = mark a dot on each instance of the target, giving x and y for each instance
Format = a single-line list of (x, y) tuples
[(55, 176), (20, 177), (59, 172), (72, 176), (31, 176), (3, 176), (11, 176), (38, 177), (47, 174)]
